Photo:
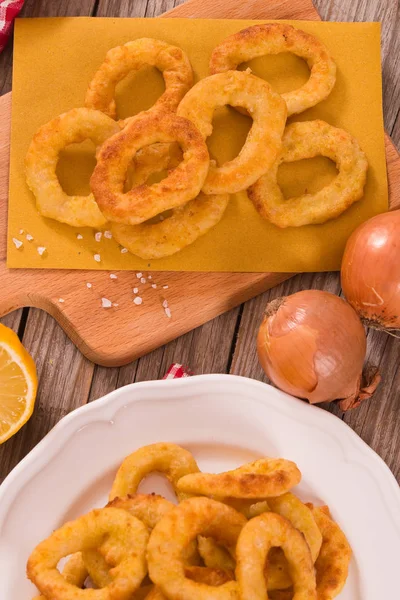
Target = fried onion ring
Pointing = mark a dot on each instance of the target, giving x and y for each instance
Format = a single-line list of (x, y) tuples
[(263, 142), (41, 161), (171, 460), (263, 478), (209, 577), (214, 555), (146, 201), (332, 564), (193, 517), (132, 56), (306, 140), (256, 540), (116, 534), (274, 38), (74, 572)]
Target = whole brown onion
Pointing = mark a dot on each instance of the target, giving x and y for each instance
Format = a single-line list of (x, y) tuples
[(312, 345), (371, 271)]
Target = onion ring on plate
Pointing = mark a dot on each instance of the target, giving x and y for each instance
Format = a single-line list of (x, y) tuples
[(306, 140), (263, 142), (41, 161), (171, 460), (146, 201), (332, 564), (274, 38), (193, 517), (115, 533), (205, 575), (74, 572), (256, 540), (132, 56), (263, 478)]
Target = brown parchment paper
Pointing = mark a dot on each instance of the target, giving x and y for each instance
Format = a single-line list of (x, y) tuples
[(54, 60)]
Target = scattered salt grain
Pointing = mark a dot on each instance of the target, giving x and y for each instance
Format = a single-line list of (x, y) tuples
[(17, 243), (61, 300), (21, 232), (165, 287), (115, 304), (97, 257), (165, 303), (149, 277), (108, 235), (89, 285), (79, 236), (97, 236), (113, 276), (138, 300), (124, 250), (135, 290), (29, 237), (41, 250), (154, 285), (143, 280), (139, 275), (106, 303), (167, 312)]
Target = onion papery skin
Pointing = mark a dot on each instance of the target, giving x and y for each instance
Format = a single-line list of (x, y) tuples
[(371, 271), (312, 345)]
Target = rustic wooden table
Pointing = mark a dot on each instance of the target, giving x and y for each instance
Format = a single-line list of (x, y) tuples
[(226, 344)]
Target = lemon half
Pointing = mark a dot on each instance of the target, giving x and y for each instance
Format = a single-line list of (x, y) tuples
[(18, 384)]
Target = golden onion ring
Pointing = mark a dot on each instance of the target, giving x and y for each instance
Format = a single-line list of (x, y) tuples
[(133, 56), (115, 533), (193, 517), (74, 126), (263, 142), (256, 540), (146, 201), (205, 575), (171, 460), (306, 140), (274, 38), (263, 478)]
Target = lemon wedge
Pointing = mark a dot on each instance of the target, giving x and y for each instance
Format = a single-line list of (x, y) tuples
[(18, 384)]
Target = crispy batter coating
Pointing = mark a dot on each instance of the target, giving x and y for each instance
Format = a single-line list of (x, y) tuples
[(74, 572), (74, 126), (193, 517), (143, 202), (332, 565), (171, 460), (256, 540), (263, 478), (306, 140), (263, 142), (205, 575), (274, 38), (133, 56), (122, 540), (214, 555)]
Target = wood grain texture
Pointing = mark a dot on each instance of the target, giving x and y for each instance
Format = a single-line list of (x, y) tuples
[(216, 346)]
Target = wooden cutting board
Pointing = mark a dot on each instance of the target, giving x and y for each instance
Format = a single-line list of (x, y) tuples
[(115, 336)]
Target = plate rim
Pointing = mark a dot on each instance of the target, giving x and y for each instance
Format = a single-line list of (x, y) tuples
[(108, 405)]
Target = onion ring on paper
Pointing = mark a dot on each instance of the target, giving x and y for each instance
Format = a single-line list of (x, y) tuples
[(41, 161), (121, 538), (256, 540), (263, 142), (132, 56), (146, 201), (171, 460), (332, 564), (274, 38), (306, 140), (263, 478), (193, 517)]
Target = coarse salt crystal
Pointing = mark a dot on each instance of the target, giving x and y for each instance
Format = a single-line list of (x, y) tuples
[(138, 300), (113, 276), (97, 236), (165, 303), (79, 236), (89, 285), (154, 285), (124, 250), (61, 300), (143, 280), (17, 243), (135, 290), (41, 250), (167, 312), (139, 275), (165, 287), (106, 303), (29, 237), (97, 257), (108, 235)]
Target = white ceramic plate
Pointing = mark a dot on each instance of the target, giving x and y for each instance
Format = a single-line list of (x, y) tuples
[(225, 421)]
